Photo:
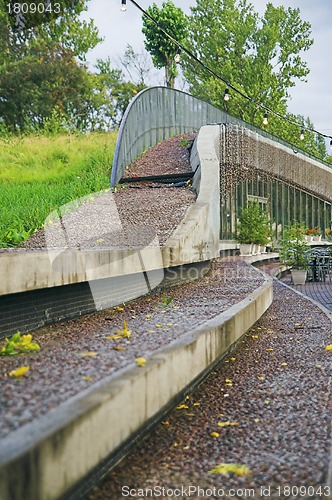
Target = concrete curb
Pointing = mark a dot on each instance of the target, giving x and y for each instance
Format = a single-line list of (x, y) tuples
[(45, 459)]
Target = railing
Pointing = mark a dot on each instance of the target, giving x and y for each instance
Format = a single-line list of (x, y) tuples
[(158, 113)]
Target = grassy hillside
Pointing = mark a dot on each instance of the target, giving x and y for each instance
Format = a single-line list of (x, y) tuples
[(39, 174)]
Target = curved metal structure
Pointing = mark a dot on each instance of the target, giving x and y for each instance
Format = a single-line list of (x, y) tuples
[(158, 113)]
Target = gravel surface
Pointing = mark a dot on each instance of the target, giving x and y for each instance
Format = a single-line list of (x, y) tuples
[(138, 214), (270, 404), (62, 367)]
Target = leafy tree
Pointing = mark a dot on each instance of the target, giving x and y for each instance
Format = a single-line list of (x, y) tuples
[(119, 91), (259, 56), (162, 49), (42, 71)]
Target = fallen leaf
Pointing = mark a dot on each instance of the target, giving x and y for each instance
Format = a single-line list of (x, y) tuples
[(269, 348), (228, 381), (261, 378), (100, 240), (140, 362), (215, 434), (19, 372), (297, 324), (233, 359), (113, 337), (227, 424), (159, 326), (240, 470), (89, 354), (181, 407), (119, 348), (283, 364), (165, 422), (88, 379), (257, 420), (255, 336), (328, 347), (197, 404)]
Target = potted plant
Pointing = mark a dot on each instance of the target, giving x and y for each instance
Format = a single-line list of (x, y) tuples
[(317, 234), (252, 229), (294, 253), (308, 234)]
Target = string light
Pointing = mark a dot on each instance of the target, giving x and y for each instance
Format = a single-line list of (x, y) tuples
[(226, 94), (219, 77), (302, 134)]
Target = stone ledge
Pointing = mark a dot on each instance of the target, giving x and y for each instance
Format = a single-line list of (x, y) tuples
[(45, 459)]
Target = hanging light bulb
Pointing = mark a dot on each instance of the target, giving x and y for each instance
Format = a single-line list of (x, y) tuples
[(265, 119), (302, 134), (177, 57), (123, 5), (226, 94)]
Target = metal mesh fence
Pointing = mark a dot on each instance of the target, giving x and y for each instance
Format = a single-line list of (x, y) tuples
[(158, 113)]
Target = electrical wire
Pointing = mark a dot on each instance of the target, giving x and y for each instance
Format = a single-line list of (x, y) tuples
[(227, 83)]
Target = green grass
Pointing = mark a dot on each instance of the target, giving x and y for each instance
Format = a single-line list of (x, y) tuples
[(39, 174)]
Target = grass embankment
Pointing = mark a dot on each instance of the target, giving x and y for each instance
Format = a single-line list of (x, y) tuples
[(39, 174)]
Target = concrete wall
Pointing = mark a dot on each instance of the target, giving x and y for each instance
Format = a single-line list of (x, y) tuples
[(196, 239), (44, 459)]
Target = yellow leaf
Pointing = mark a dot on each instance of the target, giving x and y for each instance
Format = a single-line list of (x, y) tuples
[(166, 422), (297, 324), (26, 339), (119, 348), (227, 424), (181, 407), (113, 337), (100, 240), (233, 359), (118, 308), (159, 326), (228, 381), (140, 362), (328, 347), (257, 420), (261, 378), (283, 364), (19, 372), (269, 348), (88, 354), (240, 470), (169, 324), (151, 331), (197, 404), (88, 379), (215, 434), (255, 336)]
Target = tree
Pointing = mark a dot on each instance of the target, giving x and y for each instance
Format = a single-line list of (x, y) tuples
[(259, 56), (138, 65), (42, 70), (163, 50), (119, 91)]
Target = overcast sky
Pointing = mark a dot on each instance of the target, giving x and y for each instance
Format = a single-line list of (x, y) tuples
[(311, 99)]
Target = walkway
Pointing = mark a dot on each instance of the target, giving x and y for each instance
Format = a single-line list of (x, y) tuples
[(321, 291), (265, 408)]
